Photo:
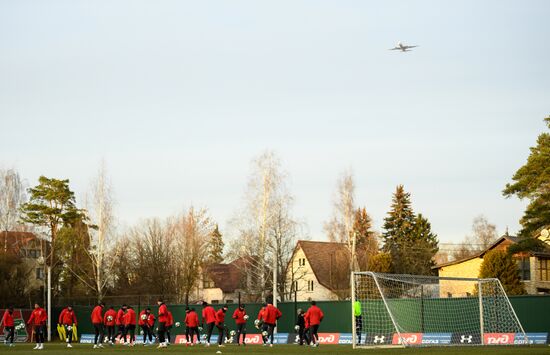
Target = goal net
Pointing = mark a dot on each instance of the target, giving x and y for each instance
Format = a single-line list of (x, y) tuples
[(412, 310)]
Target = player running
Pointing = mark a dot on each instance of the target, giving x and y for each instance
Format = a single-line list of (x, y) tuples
[(208, 317), (38, 321), (144, 324), (315, 317), (97, 322), (192, 326), (9, 326), (270, 316), (240, 318), (109, 320), (67, 319), (163, 319)]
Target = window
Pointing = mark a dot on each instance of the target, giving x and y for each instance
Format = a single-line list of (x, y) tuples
[(207, 282), (215, 301), (543, 270), (40, 273), (294, 285), (33, 253), (310, 286), (302, 262), (228, 301), (524, 267)]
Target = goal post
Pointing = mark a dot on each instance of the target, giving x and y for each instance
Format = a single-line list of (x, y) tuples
[(391, 310)]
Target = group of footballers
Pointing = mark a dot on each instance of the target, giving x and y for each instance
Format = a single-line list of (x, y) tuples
[(110, 325)]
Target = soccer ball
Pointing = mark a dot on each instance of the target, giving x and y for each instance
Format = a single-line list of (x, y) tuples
[(257, 322), (69, 328), (264, 333), (200, 329), (110, 318), (203, 337), (177, 324), (144, 316), (141, 332), (297, 328), (232, 333), (246, 317)]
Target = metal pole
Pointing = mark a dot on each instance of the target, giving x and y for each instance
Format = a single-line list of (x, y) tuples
[(481, 326), (275, 276), (49, 327)]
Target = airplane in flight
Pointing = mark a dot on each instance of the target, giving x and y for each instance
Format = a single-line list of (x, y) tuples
[(401, 47)]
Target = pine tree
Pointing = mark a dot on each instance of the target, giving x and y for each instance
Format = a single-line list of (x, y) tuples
[(215, 247), (500, 264), (408, 238), (366, 243), (532, 181)]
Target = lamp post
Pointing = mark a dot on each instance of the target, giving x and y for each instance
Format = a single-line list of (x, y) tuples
[(48, 302)]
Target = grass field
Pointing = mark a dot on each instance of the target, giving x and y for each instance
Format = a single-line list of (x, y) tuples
[(57, 348)]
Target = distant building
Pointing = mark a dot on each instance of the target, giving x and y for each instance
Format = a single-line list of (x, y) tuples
[(319, 271), (533, 267), (31, 249), (224, 283)]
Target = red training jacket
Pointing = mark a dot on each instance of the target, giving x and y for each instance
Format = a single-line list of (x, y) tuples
[(208, 315), (170, 320), (238, 316), (191, 319), (143, 318), (315, 315), (306, 321), (38, 317), (271, 314), (67, 317), (7, 319), (261, 313), (119, 320), (109, 319), (163, 313), (220, 317), (97, 315), (130, 317), (151, 319)]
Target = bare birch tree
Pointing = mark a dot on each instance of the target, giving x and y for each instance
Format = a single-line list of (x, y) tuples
[(340, 227), (265, 226), (12, 195)]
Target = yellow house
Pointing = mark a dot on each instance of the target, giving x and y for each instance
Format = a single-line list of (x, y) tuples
[(533, 267)]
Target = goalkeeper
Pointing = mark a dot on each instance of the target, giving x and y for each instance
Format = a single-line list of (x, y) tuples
[(357, 312)]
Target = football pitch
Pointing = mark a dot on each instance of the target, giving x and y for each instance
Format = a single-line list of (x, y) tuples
[(58, 348)]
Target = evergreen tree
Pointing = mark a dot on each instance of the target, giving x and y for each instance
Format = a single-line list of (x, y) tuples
[(532, 181), (381, 262), (215, 247), (408, 238), (366, 243), (500, 264)]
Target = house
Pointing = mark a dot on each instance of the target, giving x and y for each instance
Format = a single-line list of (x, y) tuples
[(31, 249), (319, 271), (225, 283), (533, 267)]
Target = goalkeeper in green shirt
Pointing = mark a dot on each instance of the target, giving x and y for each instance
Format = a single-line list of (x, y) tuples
[(358, 320)]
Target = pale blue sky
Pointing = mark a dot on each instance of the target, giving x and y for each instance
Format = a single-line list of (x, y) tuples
[(179, 96)]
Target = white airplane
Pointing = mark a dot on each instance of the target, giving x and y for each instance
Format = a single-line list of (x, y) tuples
[(401, 47)]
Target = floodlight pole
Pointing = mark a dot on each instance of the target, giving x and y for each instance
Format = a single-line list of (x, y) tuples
[(49, 310)]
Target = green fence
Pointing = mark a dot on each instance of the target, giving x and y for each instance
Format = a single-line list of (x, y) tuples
[(433, 314)]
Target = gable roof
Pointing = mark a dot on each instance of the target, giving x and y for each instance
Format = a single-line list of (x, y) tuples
[(502, 242), (329, 262), (14, 240)]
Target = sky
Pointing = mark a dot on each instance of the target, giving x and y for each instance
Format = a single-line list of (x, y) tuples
[(177, 97)]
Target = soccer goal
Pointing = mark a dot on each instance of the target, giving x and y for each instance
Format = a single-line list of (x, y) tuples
[(410, 310)]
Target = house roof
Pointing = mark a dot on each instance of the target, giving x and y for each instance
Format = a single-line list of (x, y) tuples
[(329, 262), (228, 277), (15, 240), (505, 238)]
